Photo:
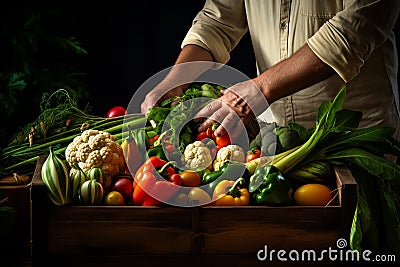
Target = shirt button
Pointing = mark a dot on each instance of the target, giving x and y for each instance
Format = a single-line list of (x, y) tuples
[(283, 25)]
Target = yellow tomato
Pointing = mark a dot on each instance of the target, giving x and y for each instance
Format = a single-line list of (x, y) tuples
[(181, 200), (198, 196), (313, 195), (114, 198)]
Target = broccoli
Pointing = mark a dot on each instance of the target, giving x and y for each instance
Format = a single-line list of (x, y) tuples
[(292, 135)]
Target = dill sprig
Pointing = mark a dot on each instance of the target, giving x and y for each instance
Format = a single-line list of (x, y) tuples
[(58, 113)]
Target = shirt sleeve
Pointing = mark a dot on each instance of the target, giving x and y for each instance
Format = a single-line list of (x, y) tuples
[(347, 40), (218, 27)]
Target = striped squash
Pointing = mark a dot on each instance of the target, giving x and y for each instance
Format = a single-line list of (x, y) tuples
[(78, 177), (91, 192), (56, 179), (100, 176)]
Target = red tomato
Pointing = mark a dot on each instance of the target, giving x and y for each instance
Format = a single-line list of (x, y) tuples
[(202, 135), (253, 154), (222, 141), (210, 133), (124, 186), (116, 111), (175, 179)]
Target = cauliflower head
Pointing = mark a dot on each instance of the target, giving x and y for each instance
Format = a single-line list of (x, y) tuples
[(229, 153), (94, 148), (197, 156)]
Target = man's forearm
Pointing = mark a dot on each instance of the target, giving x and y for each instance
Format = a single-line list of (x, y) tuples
[(190, 53), (293, 74), (193, 53)]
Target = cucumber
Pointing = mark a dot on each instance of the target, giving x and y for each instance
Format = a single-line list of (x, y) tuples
[(56, 178)]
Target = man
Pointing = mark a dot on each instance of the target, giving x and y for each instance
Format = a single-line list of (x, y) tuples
[(305, 52)]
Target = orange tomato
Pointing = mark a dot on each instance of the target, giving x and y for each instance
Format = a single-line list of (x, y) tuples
[(190, 178), (313, 195), (222, 141)]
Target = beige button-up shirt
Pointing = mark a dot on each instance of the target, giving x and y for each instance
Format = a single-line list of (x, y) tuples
[(355, 38)]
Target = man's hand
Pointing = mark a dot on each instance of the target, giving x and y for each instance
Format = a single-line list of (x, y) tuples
[(180, 75), (158, 94), (234, 109)]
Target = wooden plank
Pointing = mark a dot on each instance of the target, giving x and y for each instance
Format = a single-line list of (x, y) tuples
[(15, 239), (104, 238), (270, 214), (39, 203), (248, 237), (119, 213), (347, 189), (244, 231), (105, 230)]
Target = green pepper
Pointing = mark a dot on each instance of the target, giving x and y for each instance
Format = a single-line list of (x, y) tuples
[(269, 187), (230, 168), (228, 171), (203, 172), (156, 151), (210, 177)]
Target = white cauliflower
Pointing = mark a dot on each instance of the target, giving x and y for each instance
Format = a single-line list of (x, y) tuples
[(197, 156), (95, 148), (229, 153)]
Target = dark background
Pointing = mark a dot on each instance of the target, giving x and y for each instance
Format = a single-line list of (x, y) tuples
[(133, 40), (127, 43)]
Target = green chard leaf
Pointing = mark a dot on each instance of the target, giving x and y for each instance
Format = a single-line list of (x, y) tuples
[(322, 112), (375, 165), (327, 112), (346, 119), (365, 138)]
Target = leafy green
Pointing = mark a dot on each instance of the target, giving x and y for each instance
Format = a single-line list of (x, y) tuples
[(176, 119), (375, 165), (210, 91), (376, 222), (303, 132), (158, 115)]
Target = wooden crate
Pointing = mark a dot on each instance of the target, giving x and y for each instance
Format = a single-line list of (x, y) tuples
[(15, 241), (198, 236)]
